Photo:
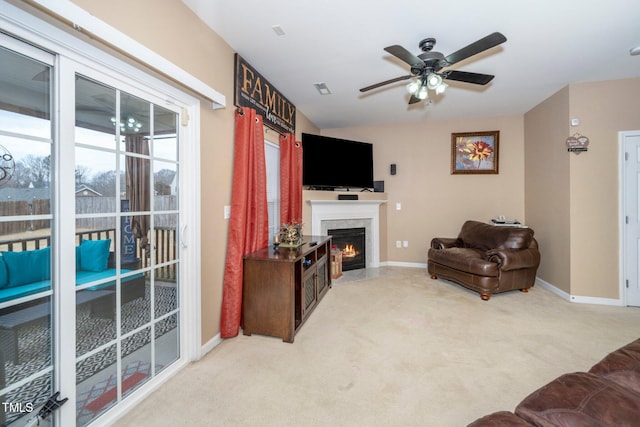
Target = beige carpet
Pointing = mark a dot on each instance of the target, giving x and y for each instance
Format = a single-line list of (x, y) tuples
[(398, 350)]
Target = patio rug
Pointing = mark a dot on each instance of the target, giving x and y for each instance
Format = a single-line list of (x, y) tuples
[(104, 394), (91, 332)]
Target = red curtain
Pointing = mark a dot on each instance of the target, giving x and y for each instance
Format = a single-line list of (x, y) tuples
[(290, 179), (249, 221)]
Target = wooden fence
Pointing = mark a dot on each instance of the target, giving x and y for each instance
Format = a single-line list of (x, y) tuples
[(107, 205), (21, 207), (84, 205)]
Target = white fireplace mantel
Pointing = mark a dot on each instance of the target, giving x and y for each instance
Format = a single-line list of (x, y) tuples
[(331, 210)]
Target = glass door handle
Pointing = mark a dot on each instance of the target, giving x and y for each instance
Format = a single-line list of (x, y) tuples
[(183, 242)]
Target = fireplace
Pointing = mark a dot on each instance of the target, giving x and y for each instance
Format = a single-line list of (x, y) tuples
[(352, 243), (337, 214)]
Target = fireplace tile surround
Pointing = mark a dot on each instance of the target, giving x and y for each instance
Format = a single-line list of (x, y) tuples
[(336, 214)]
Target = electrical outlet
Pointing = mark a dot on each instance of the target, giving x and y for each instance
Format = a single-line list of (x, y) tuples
[(398, 206), (398, 244), (405, 244), (227, 212)]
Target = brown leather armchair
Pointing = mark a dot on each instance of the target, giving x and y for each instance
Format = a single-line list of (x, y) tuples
[(486, 258)]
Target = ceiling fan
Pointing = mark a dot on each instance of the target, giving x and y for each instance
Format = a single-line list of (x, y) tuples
[(427, 66)]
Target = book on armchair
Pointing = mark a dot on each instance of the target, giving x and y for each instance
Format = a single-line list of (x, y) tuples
[(507, 223)]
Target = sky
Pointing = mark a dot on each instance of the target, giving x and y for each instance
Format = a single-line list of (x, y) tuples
[(21, 135)]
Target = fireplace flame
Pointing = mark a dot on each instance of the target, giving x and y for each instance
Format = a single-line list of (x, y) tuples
[(349, 251)]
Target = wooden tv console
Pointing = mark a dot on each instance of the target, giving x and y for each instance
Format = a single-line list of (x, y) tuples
[(281, 288)]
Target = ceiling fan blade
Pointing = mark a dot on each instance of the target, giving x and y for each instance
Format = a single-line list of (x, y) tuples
[(403, 54), (492, 40), (467, 77), (386, 82), (414, 99)]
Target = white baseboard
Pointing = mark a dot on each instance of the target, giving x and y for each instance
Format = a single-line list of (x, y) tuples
[(402, 264), (596, 300), (548, 286), (210, 345), (577, 298)]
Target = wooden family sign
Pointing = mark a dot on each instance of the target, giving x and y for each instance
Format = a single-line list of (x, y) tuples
[(254, 91)]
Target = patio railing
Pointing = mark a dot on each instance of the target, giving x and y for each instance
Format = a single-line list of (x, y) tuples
[(164, 240)]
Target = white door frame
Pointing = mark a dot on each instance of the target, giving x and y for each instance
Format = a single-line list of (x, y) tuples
[(622, 198)]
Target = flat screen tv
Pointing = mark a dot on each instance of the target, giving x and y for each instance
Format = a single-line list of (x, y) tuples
[(330, 163)]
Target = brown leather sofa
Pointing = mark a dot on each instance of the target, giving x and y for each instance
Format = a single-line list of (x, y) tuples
[(486, 258), (606, 396)]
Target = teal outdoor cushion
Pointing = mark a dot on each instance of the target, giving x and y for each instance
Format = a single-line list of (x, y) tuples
[(84, 277), (28, 266), (9, 294), (4, 276), (94, 255)]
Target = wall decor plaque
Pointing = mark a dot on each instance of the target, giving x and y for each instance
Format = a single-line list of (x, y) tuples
[(254, 91), (577, 143)]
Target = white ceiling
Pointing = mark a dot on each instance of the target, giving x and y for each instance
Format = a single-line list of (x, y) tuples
[(550, 44)]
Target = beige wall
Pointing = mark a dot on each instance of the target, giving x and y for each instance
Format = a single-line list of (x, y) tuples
[(179, 36), (547, 185), (434, 202), (573, 199), (604, 109)]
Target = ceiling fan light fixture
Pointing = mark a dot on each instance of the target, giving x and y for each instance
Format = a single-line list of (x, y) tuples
[(413, 86), (424, 67), (423, 93), (131, 124), (433, 81)]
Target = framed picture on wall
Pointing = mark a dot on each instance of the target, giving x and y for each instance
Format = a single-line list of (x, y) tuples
[(474, 152)]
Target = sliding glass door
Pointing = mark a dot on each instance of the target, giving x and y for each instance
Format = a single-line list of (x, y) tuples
[(126, 171), (106, 247), (26, 291)]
